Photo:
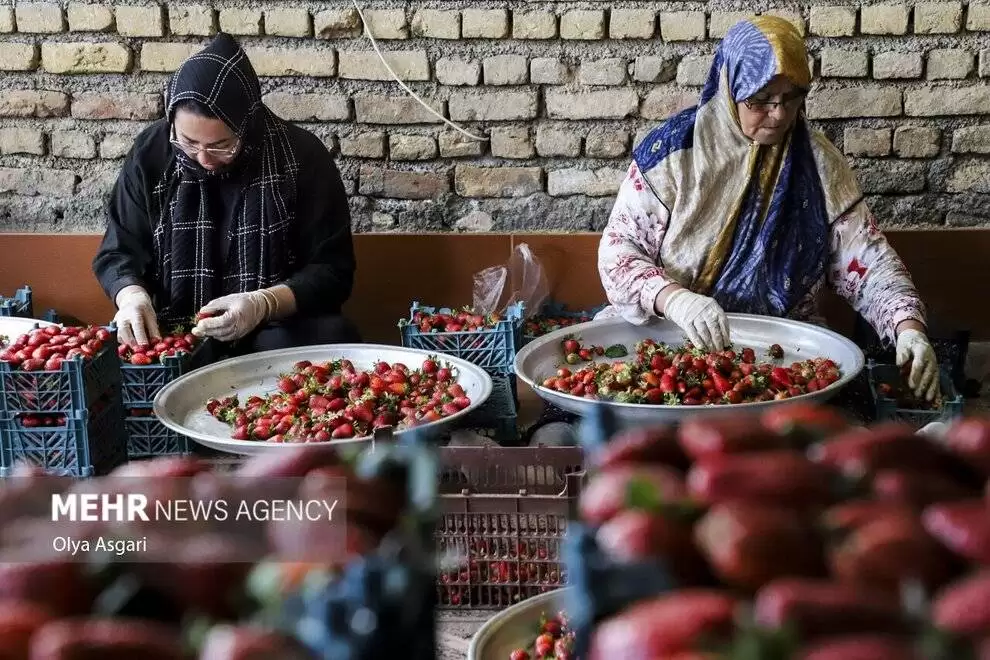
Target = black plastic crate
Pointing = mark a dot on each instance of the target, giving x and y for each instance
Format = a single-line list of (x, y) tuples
[(147, 437), (20, 304), (73, 388), (91, 443), (887, 409), (951, 345), (555, 310), (140, 384)]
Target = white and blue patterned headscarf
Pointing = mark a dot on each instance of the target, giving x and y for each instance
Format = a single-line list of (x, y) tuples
[(776, 226)]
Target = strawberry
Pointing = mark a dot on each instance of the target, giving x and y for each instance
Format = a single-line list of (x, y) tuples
[(783, 476), (111, 639), (643, 445), (962, 527), (892, 445), (917, 489), (888, 550), (844, 518), (963, 607), (816, 608), (671, 623), (702, 437), (970, 439), (635, 535), (608, 492), (860, 647), (748, 544)]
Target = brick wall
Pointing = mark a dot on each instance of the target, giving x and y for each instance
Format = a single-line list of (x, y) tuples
[(562, 89)]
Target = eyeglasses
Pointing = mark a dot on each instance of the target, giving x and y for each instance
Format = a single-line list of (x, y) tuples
[(193, 150), (786, 102)]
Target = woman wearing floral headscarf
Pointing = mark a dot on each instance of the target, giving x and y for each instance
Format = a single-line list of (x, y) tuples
[(738, 205), (224, 208)]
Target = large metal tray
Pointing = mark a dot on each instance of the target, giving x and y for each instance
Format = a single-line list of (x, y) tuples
[(181, 404), (515, 627), (801, 341)]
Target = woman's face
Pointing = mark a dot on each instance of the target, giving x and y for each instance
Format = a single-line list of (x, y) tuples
[(767, 115), (208, 141)]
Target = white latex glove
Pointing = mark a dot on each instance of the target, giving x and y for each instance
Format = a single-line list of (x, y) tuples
[(237, 315), (913, 346), (135, 317), (700, 317)]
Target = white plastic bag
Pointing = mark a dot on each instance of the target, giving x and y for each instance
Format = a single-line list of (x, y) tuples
[(520, 280)]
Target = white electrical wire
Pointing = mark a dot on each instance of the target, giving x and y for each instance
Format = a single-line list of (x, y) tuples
[(374, 44)]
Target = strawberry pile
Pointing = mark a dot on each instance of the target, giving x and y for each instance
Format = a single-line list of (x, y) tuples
[(539, 325), (178, 342), (683, 375), (44, 349), (465, 320), (176, 606), (335, 401), (535, 563), (555, 641), (797, 536)]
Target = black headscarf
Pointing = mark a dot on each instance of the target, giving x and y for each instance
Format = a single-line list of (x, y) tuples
[(221, 78)]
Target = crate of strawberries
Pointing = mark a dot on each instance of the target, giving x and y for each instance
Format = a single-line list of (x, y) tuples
[(503, 517), (895, 401), (20, 304), (145, 370), (60, 401), (487, 340), (58, 369), (790, 535), (552, 317)]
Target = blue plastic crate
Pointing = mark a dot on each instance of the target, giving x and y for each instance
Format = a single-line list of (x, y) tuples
[(140, 384), (147, 437), (888, 411), (560, 310), (89, 444), (493, 350), (20, 304), (497, 417), (73, 388)]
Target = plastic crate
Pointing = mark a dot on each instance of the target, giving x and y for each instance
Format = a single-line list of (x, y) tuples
[(559, 310), (887, 410), (89, 444), (503, 514), (20, 304), (73, 388), (147, 437), (140, 384), (497, 417), (951, 345), (493, 350)]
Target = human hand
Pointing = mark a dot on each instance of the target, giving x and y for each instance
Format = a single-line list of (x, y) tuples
[(700, 317), (135, 317), (913, 346), (232, 317)]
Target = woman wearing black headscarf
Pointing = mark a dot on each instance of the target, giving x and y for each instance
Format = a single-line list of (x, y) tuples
[(224, 208)]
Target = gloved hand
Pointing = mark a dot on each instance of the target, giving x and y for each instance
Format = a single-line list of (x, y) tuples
[(135, 317), (237, 315), (913, 346), (700, 317)]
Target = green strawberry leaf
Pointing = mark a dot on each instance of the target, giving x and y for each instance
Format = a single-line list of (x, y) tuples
[(616, 351)]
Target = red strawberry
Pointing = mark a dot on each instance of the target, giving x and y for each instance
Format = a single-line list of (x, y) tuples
[(669, 624)]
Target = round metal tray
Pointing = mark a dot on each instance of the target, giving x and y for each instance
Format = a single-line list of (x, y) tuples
[(515, 627), (540, 359), (181, 404), (14, 326)]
